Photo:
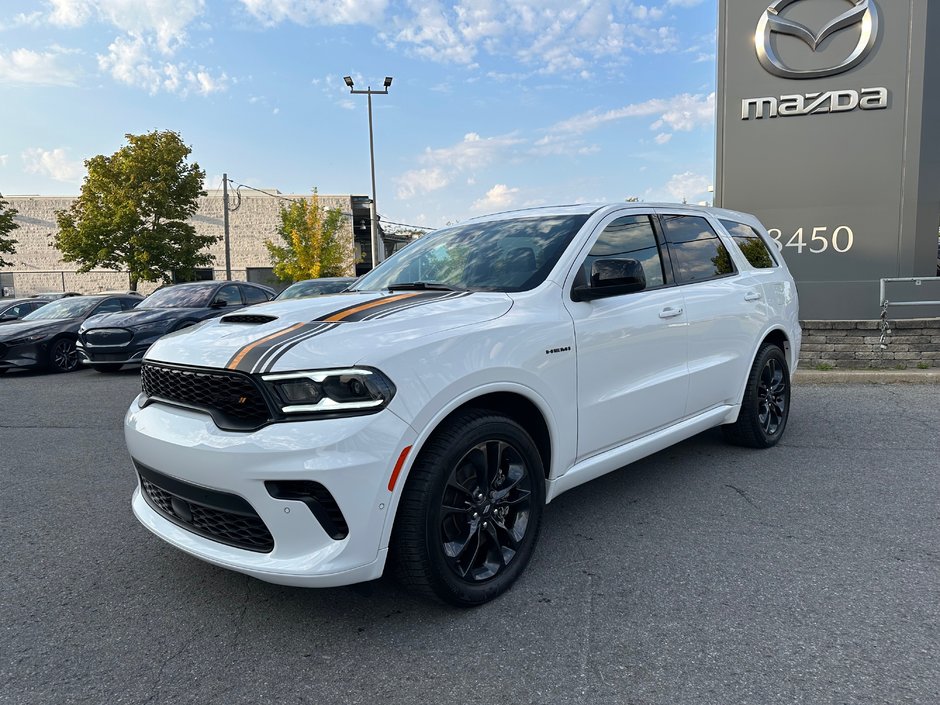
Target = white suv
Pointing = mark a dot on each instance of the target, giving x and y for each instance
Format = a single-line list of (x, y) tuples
[(429, 414)]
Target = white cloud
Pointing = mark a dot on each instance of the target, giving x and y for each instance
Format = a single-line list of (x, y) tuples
[(687, 186), (44, 68), (684, 3), (441, 166), (22, 19), (306, 12), (3, 159), (130, 61), (166, 20), (418, 181), (663, 137), (681, 113), (53, 163), (497, 198)]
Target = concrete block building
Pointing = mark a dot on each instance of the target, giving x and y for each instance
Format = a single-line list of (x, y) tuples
[(253, 218)]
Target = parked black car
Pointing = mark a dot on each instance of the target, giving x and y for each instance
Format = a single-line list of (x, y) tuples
[(315, 287), (110, 342), (46, 337), (13, 309)]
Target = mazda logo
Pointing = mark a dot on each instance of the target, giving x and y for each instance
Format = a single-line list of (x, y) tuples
[(864, 13)]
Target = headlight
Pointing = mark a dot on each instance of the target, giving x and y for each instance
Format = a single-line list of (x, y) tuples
[(35, 338), (354, 389)]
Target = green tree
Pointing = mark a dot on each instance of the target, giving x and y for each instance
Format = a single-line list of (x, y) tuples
[(133, 210), (7, 226), (313, 244)]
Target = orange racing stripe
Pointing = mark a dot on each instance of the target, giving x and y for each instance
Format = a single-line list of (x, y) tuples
[(339, 316), (233, 363)]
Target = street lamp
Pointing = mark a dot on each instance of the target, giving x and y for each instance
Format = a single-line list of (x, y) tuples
[(378, 251)]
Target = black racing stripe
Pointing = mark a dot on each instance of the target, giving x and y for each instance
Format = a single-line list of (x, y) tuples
[(266, 365), (249, 360), (406, 305), (273, 352), (393, 303)]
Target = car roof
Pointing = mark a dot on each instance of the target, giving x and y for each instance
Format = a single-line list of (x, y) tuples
[(326, 279), (591, 208)]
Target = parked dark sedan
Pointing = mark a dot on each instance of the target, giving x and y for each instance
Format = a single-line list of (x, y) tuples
[(13, 309), (315, 287), (110, 342), (46, 337)]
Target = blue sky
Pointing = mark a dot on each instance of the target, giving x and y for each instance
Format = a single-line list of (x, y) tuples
[(496, 104)]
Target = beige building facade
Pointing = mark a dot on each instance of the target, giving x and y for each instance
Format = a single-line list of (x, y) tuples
[(253, 218)]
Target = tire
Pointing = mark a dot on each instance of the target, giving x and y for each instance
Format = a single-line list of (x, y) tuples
[(63, 357), (766, 404), (454, 543), (107, 368)]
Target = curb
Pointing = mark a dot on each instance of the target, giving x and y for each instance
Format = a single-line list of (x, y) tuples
[(867, 377)]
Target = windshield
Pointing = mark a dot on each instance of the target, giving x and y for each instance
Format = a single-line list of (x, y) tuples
[(496, 255), (73, 307), (314, 288), (180, 297)]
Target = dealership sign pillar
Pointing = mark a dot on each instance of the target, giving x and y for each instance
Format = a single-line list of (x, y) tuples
[(829, 131)]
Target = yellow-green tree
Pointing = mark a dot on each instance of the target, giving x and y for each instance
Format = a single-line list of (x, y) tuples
[(313, 245), (7, 226)]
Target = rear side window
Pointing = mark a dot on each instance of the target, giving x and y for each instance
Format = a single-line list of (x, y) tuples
[(254, 295), (697, 252), (630, 237), (109, 306), (751, 244)]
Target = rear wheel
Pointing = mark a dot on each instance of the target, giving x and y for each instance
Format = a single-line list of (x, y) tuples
[(63, 357), (107, 368), (766, 404), (470, 512)]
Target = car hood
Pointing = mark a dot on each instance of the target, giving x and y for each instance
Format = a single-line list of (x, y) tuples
[(325, 331), (20, 329), (141, 317)]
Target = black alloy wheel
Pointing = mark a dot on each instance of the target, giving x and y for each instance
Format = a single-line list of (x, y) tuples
[(766, 404), (485, 511), (63, 357), (471, 509)]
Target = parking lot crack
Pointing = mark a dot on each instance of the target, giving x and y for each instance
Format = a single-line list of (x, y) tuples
[(743, 495)]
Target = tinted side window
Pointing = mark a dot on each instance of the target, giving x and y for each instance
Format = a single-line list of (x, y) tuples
[(751, 244), (229, 294), (630, 237), (254, 295), (109, 306), (697, 253), (128, 304)]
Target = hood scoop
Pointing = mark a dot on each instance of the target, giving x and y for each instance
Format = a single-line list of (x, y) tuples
[(250, 318)]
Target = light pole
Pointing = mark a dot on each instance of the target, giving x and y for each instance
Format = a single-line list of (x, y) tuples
[(378, 251)]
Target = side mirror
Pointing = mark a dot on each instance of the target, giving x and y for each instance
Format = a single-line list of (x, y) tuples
[(612, 277), (218, 303), (7, 317)]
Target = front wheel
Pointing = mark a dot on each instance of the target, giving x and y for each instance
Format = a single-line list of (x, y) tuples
[(471, 509), (766, 404), (63, 357)]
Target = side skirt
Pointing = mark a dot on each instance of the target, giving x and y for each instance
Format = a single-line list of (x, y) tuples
[(616, 458)]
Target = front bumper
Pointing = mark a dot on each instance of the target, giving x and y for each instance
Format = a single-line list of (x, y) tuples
[(352, 458), (25, 356), (110, 354)]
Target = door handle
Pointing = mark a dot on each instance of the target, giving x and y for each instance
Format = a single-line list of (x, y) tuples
[(670, 312), (753, 296)]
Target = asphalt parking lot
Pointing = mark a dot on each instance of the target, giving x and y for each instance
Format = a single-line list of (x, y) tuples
[(809, 573)]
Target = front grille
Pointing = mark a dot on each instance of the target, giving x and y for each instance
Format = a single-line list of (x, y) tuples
[(248, 318), (231, 398), (108, 336), (219, 516)]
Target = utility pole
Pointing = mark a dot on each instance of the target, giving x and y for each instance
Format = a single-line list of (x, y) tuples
[(378, 250), (228, 253)]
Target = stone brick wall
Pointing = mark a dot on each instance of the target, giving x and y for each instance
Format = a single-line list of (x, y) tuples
[(37, 265), (857, 344)]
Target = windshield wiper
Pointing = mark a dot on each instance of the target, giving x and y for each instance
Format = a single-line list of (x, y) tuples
[(423, 286)]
